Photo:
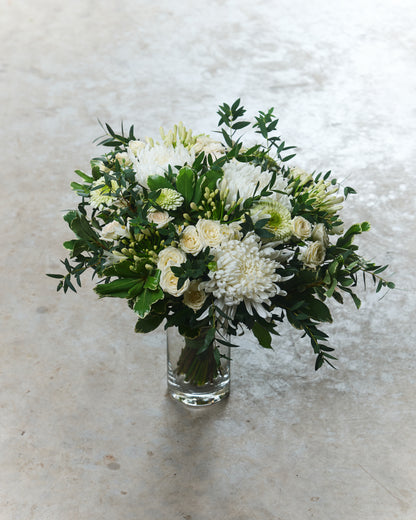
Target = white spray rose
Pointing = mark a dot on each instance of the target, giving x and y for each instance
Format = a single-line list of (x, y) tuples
[(194, 297), (136, 146), (170, 256), (123, 158), (190, 241), (209, 232), (169, 283), (337, 230), (204, 143), (231, 231), (313, 255), (160, 218), (114, 230), (301, 227), (319, 234)]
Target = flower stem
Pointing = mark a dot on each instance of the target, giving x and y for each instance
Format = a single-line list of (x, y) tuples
[(198, 369)]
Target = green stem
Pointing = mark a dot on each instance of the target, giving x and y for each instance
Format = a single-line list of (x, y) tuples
[(198, 369)]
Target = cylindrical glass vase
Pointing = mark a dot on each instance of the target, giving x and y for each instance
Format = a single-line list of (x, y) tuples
[(197, 375)]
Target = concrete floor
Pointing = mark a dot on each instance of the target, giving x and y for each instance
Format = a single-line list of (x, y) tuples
[(86, 429)]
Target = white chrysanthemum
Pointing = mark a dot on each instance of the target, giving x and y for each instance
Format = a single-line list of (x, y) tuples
[(245, 272), (280, 223), (169, 199), (240, 181), (154, 160), (102, 196)]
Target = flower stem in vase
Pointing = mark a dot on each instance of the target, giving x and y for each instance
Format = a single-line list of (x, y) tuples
[(198, 367)]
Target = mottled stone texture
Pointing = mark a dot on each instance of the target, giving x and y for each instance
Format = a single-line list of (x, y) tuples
[(87, 431)]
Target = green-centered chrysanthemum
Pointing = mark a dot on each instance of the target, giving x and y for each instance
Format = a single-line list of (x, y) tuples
[(280, 223), (103, 196), (169, 199)]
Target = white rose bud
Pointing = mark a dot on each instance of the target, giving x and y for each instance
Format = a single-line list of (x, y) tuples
[(170, 256), (160, 218), (337, 230), (319, 234), (190, 241), (209, 232), (299, 174), (313, 255), (194, 297), (301, 227), (169, 283), (114, 230)]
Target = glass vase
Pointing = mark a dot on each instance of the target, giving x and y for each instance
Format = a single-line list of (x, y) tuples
[(197, 375)]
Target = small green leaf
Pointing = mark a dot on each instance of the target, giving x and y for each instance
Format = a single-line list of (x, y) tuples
[(209, 338), (145, 301), (116, 289), (185, 183), (263, 336), (319, 361), (136, 289), (365, 226), (157, 182), (149, 323), (152, 282), (84, 176)]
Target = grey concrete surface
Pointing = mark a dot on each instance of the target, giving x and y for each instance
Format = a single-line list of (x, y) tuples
[(86, 429)]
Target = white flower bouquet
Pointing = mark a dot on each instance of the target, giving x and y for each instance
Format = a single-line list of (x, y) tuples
[(209, 236)]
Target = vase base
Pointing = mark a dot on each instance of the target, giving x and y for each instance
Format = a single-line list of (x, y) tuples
[(196, 397)]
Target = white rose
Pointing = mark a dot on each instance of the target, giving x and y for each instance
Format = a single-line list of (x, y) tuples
[(194, 297), (114, 230), (231, 231), (169, 283), (123, 158), (190, 241), (136, 146), (313, 255), (319, 234), (209, 232), (160, 218), (204, 143), (170, 256), (301, 228)]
